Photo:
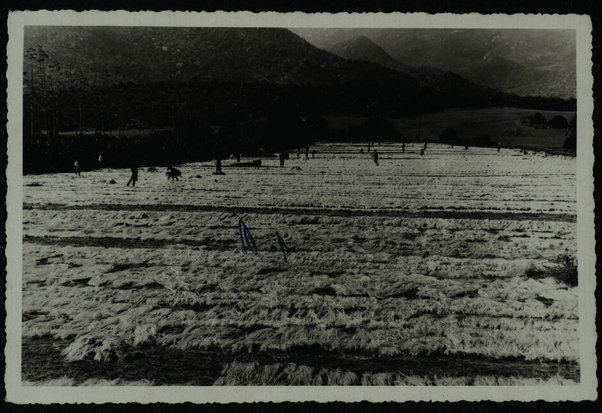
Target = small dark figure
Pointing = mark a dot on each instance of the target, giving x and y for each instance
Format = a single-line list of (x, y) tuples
[(375, 155), (218, 167), (313, 153), (298, 153), (499, 145), (306, 152), (368, 146), (466, 147), (425, 146), (421, 151), (257, 163), (237, 157), (173, 173), (134, 176), (76, 167), (403, 147), (361, 150), (281, 159)]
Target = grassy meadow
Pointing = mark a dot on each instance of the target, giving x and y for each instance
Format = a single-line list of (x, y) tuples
[(503, 124), (452, 268)]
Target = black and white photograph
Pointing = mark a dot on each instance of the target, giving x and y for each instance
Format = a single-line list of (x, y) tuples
[(374, 208)]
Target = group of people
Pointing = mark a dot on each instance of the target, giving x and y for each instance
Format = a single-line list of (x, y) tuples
[(422, 150), (173, 173)]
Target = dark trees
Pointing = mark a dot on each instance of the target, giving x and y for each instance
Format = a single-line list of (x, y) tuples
[(448, 135), (570, 142), (558, 122), (536, 120)]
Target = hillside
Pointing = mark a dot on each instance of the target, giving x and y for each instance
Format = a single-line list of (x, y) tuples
[(149, 54), (362, 48), (525, 62), (273, 63), (105, 56)]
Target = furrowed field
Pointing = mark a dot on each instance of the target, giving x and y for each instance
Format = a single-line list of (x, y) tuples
[(451, 268)]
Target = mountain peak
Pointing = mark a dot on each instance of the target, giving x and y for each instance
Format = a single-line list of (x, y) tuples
[(362, 48), (523, 61)]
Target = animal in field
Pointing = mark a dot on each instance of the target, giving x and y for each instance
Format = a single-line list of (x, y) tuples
[(173, 173), (257, 163)]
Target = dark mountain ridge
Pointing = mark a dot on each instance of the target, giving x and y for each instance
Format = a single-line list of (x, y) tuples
[(522, 61), (104, 56), (362, 48), (149, 54)]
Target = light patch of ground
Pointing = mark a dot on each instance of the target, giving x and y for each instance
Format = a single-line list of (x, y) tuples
[(420, 256)]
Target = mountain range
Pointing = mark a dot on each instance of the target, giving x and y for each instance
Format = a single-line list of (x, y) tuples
[(152, 54), (354, 76), (525, 62)]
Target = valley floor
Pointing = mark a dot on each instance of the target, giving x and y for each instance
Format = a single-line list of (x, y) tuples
[(424, 270)]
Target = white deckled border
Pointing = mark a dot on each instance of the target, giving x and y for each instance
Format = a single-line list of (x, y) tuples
[(586, 390)]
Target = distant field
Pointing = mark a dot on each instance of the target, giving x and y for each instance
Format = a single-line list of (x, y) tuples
[(503, 124), (438, 269)]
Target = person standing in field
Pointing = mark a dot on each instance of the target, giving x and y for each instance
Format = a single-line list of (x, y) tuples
[(403, 147), (313, 153), (306, 151), (375, 156), (281, 159), (361, 150), (425, 146), (499, 145), (134, 176), (76, 166), (218, 167)]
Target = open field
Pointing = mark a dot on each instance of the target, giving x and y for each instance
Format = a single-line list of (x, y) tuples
[(502, 124), (425, 270)]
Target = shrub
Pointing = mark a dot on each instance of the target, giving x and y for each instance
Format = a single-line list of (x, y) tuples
[(558, 122), (565, 271), (571, 140), (536, 120), (570, 143)]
